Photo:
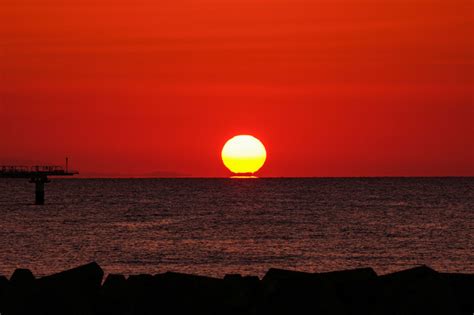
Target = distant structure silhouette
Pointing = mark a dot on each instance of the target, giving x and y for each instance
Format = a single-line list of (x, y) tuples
[(37, 174)]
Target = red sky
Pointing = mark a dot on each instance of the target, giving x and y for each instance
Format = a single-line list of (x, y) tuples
[(331, 87)]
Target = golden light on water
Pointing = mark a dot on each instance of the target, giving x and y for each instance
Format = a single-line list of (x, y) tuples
[(244, 154)]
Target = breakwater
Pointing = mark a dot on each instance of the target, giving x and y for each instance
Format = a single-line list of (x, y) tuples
[(83, 290)]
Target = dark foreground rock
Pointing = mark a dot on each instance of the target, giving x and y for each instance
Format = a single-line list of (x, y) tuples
[(113, 296), (4, 283), (419, 290), (341, 292), (73, 291), (22, 278), (462, 286), (19, 292)]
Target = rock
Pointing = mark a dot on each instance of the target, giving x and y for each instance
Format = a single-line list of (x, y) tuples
[(142, 297), (463, 289), (86, 276), (274, 277), (70, 292), (233, 277), (291, 292), (169, 293), (18, 297), (139, 285), (275, 274), (22, 277), (83, 279), (191, 294), (4, 283), (419, 290), (113, 296), (178, 293), (242, 294), (351, 275), (339, 292), (355, 288), (73, 291), (114, 283)]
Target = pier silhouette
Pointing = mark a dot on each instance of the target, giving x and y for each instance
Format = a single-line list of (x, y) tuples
[(37, 174)]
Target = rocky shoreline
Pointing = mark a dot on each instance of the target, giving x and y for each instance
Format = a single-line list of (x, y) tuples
[(82, 290)]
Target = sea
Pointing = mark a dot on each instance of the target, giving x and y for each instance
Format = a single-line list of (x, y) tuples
[(225, 226)]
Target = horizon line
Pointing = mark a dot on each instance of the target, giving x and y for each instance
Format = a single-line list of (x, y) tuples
[(269, 177)]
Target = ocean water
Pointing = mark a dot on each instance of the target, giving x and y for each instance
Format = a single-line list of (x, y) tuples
[(220, 226)]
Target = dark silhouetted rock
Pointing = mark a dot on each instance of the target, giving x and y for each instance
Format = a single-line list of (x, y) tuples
[(179, 293), (79, 291), (275, 274), (242, 294), (291, 292), (114, 283), (463, 290), (4, 283), (113, 296), (355, 288), (233, 277), (274, 277), (419, 290), (22, 277), (73, 291), (142, 297), (20, 293), (351, 275), (86, 276), (339, 292)]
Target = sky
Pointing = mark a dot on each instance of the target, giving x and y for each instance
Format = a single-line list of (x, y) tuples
[(156, 87)]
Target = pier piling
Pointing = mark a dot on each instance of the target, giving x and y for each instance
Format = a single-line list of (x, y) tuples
[(39, 188)]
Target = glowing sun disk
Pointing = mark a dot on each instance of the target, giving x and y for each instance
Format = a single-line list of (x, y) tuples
[(244, 154)]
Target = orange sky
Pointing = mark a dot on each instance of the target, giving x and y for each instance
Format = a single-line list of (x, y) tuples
[(331, 87)]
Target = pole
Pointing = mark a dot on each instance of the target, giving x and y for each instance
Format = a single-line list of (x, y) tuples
[(39, 192), (39, 188)]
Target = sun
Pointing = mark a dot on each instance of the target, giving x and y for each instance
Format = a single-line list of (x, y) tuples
[(244, 154)]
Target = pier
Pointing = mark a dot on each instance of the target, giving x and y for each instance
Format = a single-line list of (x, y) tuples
[(36, 174)]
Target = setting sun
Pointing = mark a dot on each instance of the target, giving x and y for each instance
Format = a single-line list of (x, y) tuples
[(244, 154)]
